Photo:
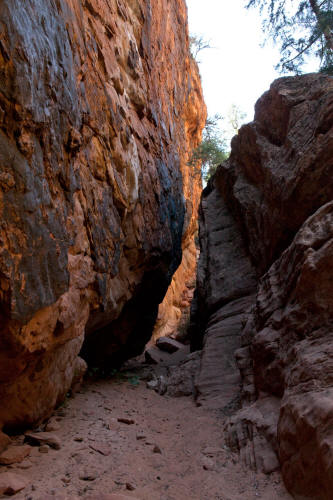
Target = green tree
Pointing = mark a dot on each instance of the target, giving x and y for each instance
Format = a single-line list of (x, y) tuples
[(302, 27), (212, 149)]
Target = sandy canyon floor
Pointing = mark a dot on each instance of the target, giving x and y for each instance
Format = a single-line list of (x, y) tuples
[(164, 449)]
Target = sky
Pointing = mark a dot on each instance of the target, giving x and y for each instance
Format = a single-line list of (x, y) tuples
[(237, 70)]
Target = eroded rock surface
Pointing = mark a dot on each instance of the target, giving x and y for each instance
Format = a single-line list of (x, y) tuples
[(100, 105), (226, 282), (278, 187)]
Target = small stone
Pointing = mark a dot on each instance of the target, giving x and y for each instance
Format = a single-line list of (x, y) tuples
[(14, 455), (270, 462), (4, 441), (101, 448), (140, 437), (130, 486), (153, 355), (110, 496), (88, 476), (52, 426), (11, 483), (65, 480), (157, 449), (128, 421), (113, 424), (44, 448), (152, 384), (26, 464), (80, 369), (36, 438), (208, 464), (79, 439)]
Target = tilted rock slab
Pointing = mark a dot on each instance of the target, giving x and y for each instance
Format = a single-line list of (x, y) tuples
[(100, 105), (226, 282), (292, 350), (277, 184)]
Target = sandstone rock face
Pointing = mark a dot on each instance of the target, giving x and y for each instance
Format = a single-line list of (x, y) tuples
[(226, 282), (174, 312), (278, 187), (292, 352), (100, 105)]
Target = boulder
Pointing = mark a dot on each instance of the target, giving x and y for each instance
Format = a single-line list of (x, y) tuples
[(14, 454), (37, 438), (168, 345), (154, 356), (97, 198), (182, 378), (4, 441)]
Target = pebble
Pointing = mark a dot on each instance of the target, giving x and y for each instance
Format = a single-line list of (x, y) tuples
[(44, 448), (208, 464), (157, 449), (26, 464), (88, 476), (52, 426), (128, 421), (130, 486), (101, 448)]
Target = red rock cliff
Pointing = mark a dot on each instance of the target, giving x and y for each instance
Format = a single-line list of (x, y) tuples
[(265, 286), (100, 104)]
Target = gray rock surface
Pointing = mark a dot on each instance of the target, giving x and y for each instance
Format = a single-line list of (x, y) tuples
[(273, 250)]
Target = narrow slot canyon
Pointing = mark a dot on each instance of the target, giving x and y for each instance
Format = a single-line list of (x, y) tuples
[(160, 339)]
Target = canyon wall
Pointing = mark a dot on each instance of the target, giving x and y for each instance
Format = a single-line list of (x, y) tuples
[(100, 106), (265, 287)]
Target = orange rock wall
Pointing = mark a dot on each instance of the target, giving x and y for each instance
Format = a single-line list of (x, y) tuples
[(171, 309), (100, 103)]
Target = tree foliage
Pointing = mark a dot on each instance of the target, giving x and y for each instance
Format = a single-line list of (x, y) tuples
[(212, 149), (197, 44), (236, 117), (302, 27)]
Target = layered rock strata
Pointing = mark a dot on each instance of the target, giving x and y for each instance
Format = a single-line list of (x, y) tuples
[(100, 105), (278, 187)]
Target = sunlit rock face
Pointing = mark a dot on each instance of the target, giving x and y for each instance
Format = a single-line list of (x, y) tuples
[(180, 292), (100, 106), (277, 186)]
